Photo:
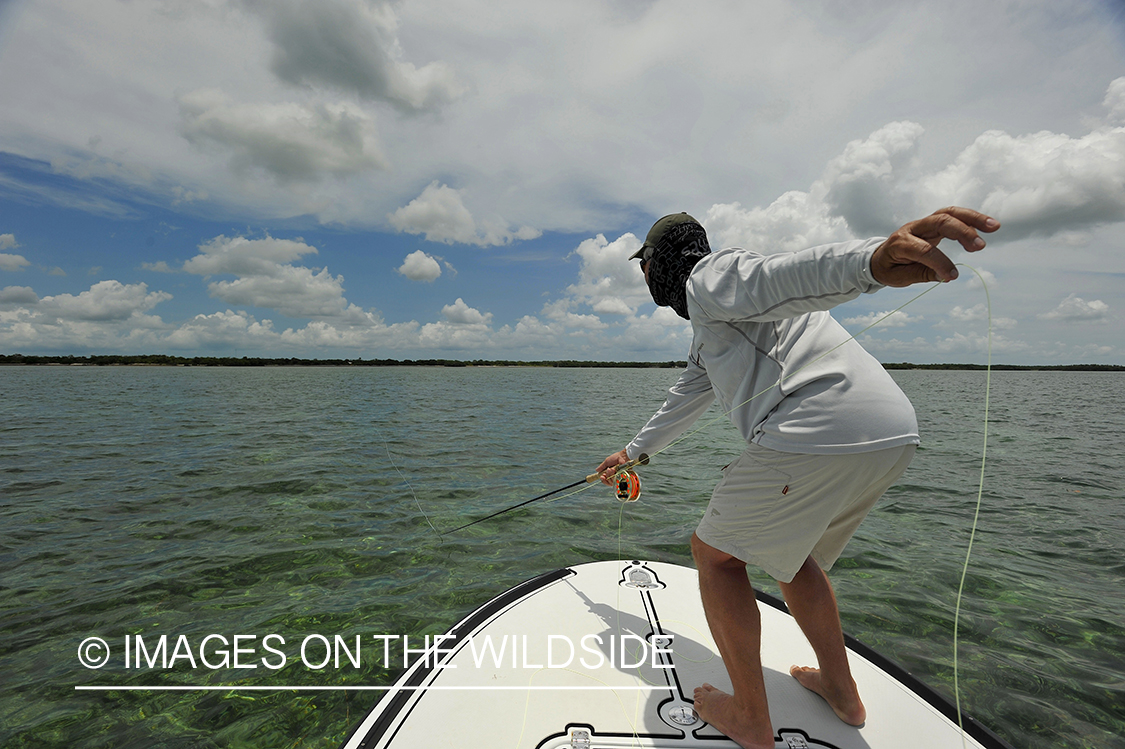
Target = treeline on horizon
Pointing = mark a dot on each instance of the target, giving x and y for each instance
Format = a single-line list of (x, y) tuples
[(158, 360), (165, 360)]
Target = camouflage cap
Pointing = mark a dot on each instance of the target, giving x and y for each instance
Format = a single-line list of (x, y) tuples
[(657, 232)]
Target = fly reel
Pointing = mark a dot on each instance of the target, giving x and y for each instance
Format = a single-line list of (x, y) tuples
[(628, 486)]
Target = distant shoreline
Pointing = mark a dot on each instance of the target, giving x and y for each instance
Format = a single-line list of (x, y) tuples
[(162, 360)]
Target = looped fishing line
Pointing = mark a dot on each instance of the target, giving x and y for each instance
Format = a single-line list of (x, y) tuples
[(976, 511)]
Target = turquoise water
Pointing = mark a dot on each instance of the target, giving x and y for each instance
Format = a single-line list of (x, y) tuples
[(294, 501)]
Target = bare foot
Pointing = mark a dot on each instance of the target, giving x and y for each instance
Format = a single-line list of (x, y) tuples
[(844, 702), (720, 710)]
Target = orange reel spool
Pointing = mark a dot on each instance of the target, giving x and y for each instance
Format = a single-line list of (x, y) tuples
[(628, 486)]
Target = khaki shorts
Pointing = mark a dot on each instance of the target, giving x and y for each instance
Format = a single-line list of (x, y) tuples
[(776, 509)]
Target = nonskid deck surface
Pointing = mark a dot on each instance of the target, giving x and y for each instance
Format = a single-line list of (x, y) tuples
[(607, 654)]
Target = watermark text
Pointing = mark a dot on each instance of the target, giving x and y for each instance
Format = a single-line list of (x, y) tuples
[(317, 651)]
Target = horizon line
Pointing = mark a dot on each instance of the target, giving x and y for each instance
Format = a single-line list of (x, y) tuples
[(18, 359)]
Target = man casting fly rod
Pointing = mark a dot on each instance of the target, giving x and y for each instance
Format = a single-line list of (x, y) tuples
[(828, 432)]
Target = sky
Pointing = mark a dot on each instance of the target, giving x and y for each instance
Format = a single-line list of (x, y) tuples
[(432, 179)]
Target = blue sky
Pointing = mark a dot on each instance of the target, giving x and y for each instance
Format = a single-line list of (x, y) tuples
[(417, 179)]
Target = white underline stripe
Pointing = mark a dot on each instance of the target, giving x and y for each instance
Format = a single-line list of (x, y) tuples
[(383, 689)]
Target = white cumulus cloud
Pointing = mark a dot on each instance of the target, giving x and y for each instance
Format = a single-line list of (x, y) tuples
[(440, 213), (979, 279), (294, 291), (291, 142), (560, 312), (241, 256), (418, 266), (1038, 182), (12, 262), (979, 313), (859, 193), (862, 184), (608, 282), (886, 319), (460, 313), (105, 301), (267, 278), (21, 295), (1074, 309), (795, 221), (223, 329), (1114, 101), (351, 45)]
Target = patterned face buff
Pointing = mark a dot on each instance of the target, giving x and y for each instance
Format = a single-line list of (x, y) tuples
[(672, 261)]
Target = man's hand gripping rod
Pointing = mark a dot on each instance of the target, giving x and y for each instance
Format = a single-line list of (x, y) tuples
[(628, 483)]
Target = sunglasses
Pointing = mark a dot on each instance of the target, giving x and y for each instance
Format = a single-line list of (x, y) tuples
[(646, 255)]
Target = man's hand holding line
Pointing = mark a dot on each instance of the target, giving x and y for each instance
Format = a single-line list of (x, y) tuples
[(910, 255)]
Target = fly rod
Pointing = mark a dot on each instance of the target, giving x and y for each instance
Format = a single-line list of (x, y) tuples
[(628, 489)]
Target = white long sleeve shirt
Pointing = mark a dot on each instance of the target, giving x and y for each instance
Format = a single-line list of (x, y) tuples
[(788, 375)]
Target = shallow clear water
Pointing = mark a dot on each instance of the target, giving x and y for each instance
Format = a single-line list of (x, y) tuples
[(192, 501)]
